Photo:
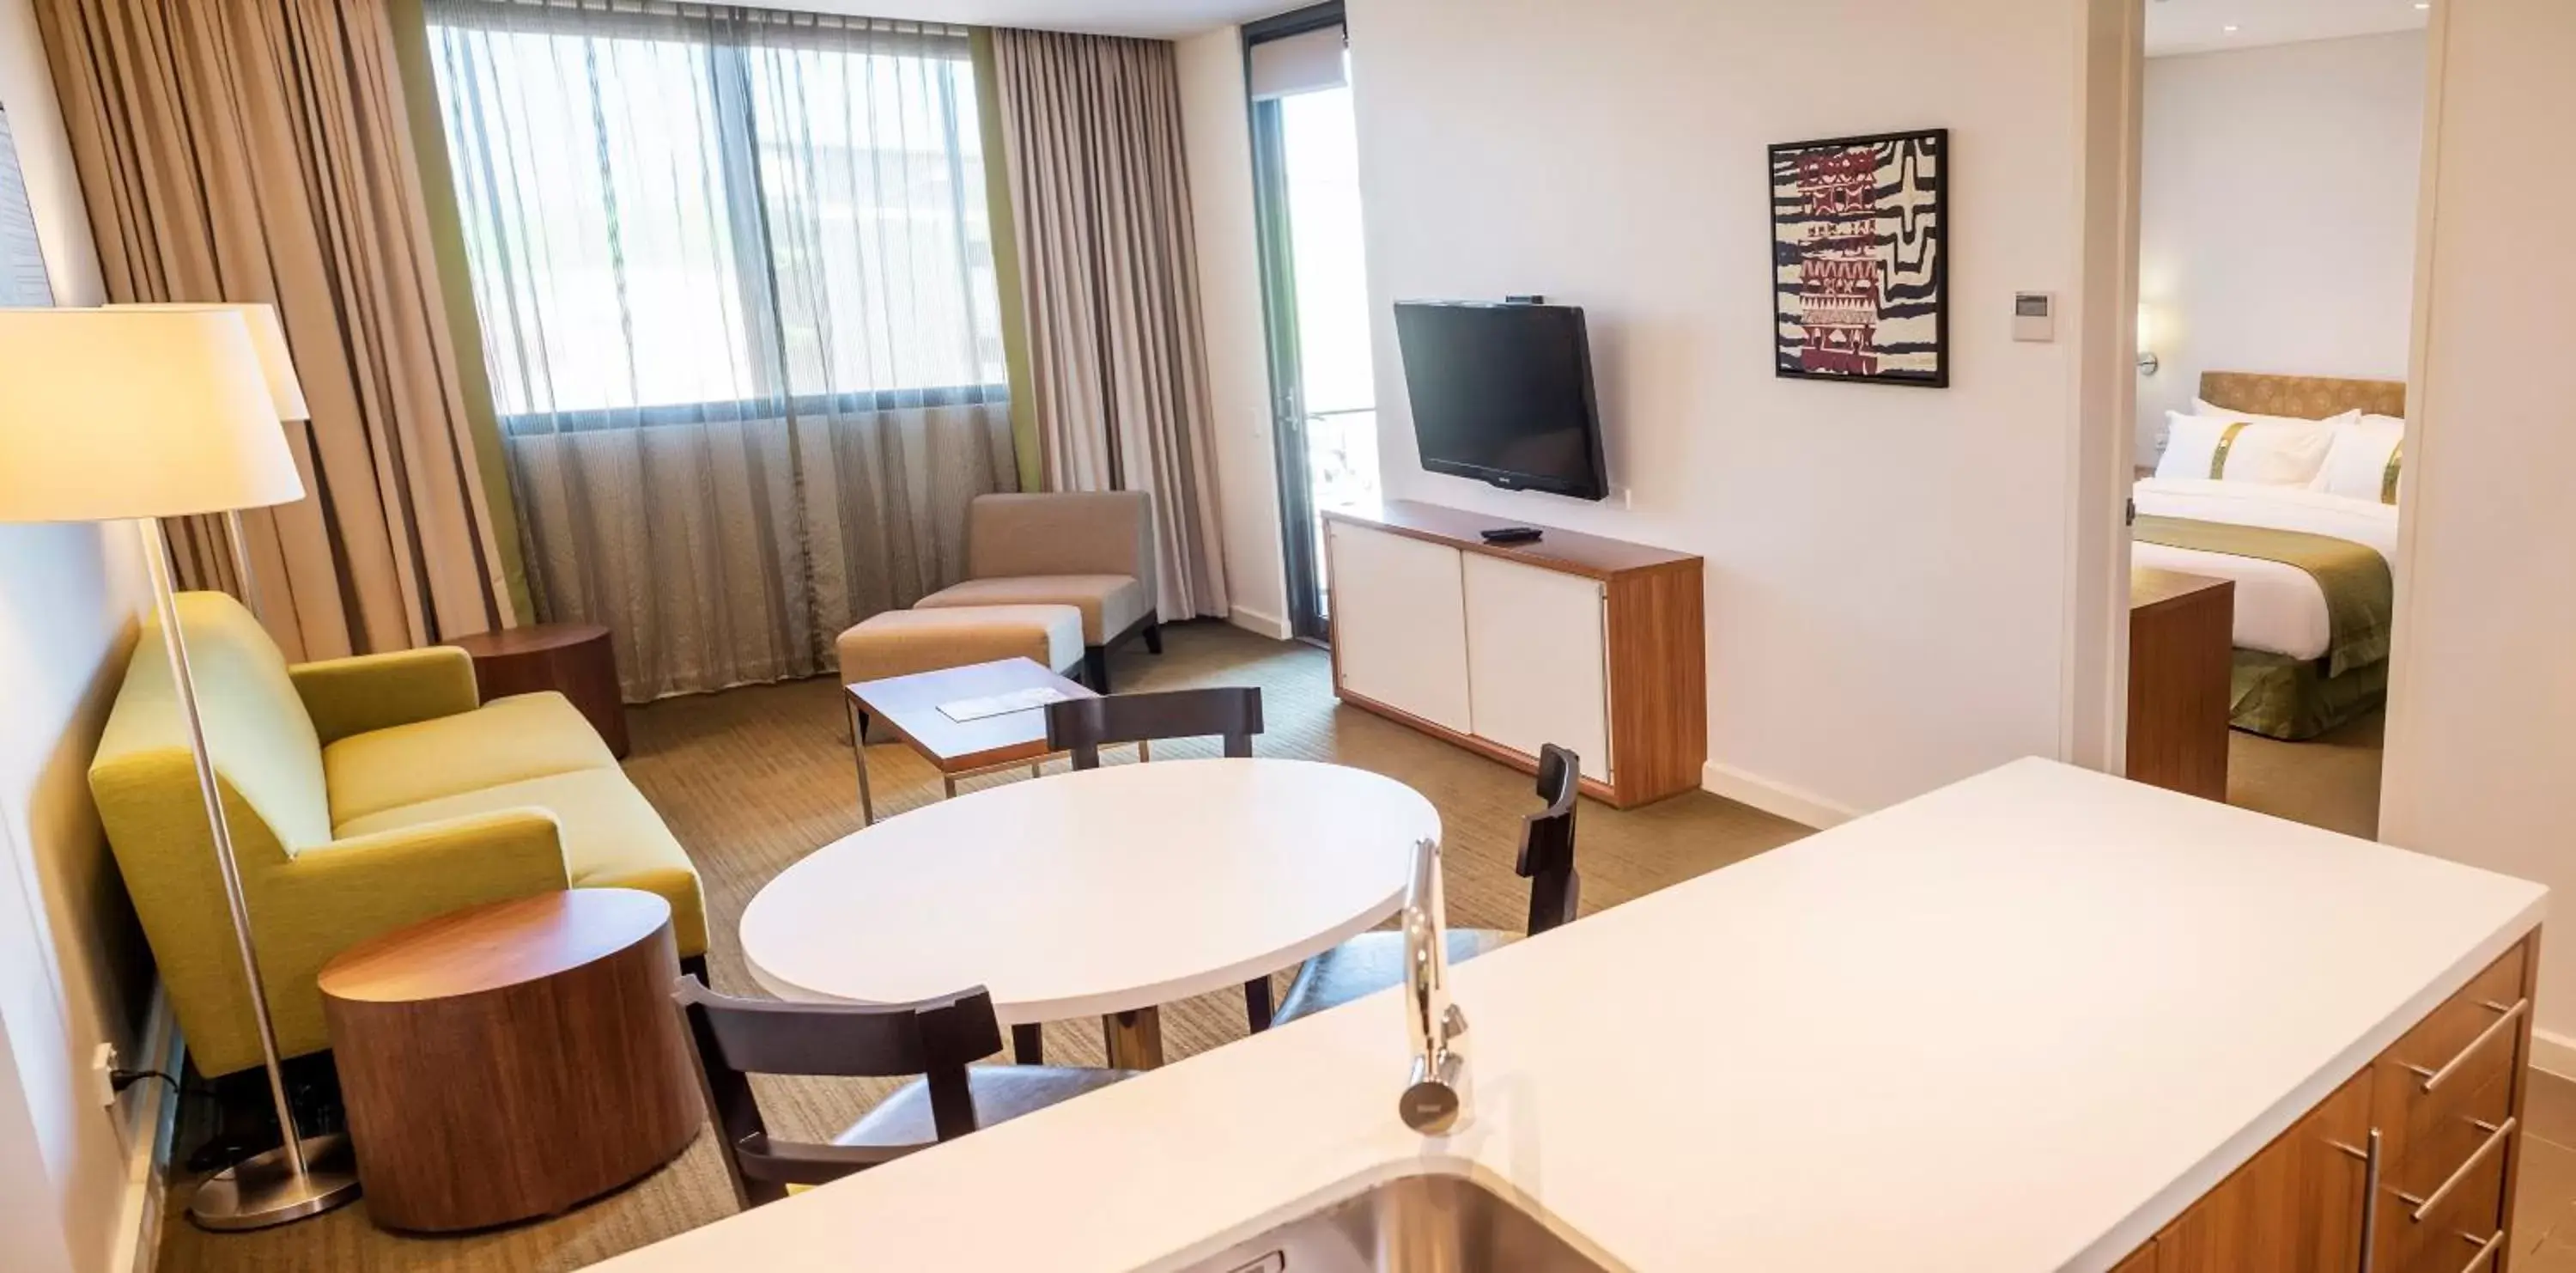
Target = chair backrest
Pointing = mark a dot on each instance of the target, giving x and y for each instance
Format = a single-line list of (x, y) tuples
[(736, 1038), (1062, 533), (261, 738), (1547, 842), (1085, 725)]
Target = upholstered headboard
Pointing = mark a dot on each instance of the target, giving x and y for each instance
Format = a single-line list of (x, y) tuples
[(2307, 397)]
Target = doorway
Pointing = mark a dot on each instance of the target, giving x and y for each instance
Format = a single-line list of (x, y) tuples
[(1305, 163), (2272, 400)]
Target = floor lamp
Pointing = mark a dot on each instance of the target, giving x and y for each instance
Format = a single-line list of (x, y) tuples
[(278, 369), (150, 414)]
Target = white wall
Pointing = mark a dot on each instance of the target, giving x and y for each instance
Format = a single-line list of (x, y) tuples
[(2278, 213), (1892, 572), (1216, 131), (2483, 702), (72, 972)]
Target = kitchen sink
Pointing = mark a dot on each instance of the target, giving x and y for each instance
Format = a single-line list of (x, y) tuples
[(1433, 1223)]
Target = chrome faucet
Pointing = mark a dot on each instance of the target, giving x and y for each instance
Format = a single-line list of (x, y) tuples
[(1435, 1096)]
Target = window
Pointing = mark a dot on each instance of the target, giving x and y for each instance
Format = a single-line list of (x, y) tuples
[(681, 213)]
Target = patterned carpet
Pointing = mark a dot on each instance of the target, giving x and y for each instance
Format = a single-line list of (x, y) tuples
[(753, 779)]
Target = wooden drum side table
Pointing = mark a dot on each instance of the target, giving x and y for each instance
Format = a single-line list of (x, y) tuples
[(512, 1060), (573, 659)]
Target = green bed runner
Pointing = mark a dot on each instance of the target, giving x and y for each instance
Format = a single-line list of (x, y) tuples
[(2360, 596)]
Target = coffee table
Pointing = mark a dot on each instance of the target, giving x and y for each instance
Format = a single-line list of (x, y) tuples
[(909, 706), (511, 1060)]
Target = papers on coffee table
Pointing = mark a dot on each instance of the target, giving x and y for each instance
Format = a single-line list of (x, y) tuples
[(970, 709)]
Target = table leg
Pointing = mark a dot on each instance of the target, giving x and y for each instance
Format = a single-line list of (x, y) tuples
[(859, 748), (1135, 1038), (948, 786), (1144, 748), (1028, 1044)]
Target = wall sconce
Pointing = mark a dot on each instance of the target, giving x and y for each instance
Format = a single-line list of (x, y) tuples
[(2148, 363)]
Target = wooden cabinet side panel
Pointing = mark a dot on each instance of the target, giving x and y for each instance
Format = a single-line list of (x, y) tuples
[(2180, 663), (2294, 1208), (2521, 1090), (1658, 681)]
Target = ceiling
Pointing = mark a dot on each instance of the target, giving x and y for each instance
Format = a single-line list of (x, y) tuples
[(2204, 26), (1162, 19)]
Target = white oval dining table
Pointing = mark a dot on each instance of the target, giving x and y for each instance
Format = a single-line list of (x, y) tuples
[(1103, 892)]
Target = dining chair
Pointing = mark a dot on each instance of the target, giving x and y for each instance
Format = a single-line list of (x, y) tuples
[(1374, 961), (935, 1038), (1083, 726)]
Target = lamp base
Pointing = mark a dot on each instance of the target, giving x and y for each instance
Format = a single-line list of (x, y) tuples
[(261, 1192)]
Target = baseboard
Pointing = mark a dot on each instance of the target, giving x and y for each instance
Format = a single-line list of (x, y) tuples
[(151, 1119), (1251, 620), (2553, 1053), (1778, 799)]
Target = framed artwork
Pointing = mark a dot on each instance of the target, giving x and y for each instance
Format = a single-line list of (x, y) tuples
[(22, 263), (1860, 258)]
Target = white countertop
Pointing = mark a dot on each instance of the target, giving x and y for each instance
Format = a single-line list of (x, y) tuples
[(2010, 1027)]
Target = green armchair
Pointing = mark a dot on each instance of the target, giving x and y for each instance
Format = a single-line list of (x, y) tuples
[(364, 794)]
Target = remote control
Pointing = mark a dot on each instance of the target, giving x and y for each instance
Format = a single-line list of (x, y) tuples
[(1512, 535)]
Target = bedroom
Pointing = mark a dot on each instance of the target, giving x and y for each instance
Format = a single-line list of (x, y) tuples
[(2280, 161)]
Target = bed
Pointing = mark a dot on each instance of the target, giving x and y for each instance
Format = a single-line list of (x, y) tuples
[(2312, 570)]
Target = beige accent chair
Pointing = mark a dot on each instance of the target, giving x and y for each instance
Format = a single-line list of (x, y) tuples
[(1092, 550)]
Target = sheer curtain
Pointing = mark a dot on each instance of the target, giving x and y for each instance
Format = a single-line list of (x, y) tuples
[(736, 284)]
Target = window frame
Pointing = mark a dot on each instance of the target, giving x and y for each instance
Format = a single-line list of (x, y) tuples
[(727, 37)]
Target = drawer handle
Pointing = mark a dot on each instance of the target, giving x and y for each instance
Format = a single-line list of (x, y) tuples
[(2496, 1137), (2485, 1249), (2369, 1194), (2435, 1078)]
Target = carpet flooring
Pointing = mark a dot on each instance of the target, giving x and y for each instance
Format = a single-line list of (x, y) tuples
[(2329, 781), (753, 779)]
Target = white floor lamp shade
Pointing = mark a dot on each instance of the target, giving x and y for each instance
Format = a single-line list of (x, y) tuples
[(277, 365), (146, 414)]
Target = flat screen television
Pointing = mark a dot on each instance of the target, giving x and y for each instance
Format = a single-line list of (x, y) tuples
[(1502, 392)]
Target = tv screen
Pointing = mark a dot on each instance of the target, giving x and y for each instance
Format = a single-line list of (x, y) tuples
[(1503, 393)]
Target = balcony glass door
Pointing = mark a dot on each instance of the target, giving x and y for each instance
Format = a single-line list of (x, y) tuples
[(1315, 288)]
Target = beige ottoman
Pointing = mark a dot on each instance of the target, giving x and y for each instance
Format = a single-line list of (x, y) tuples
[(902, 642)]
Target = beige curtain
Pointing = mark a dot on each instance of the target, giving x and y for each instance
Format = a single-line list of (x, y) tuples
[(257, 150), (740, 314), (1091, 128)]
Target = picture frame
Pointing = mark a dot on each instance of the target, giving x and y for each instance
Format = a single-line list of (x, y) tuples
[(1860, 258)]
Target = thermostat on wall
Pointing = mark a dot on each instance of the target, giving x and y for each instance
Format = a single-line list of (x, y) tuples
[(2034, 316)]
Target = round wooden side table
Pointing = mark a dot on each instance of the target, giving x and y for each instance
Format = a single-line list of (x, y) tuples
[(511, 1060), (574, 659)]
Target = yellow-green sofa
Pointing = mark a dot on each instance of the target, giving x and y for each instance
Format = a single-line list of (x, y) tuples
[(364, 794)]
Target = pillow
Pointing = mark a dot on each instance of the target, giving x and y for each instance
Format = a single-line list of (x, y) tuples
[(2237, 447), (2362, 461)]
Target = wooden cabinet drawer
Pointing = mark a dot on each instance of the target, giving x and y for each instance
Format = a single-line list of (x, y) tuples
[(2446, 1098), (2444, 1127), (2461, 1256), (2462, 1033), (2451, 1234)]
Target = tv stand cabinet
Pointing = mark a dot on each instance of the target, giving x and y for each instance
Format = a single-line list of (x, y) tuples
[(1590, 643)]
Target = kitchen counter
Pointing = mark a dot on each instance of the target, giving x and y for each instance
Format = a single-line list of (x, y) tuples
[(2013, 1026)]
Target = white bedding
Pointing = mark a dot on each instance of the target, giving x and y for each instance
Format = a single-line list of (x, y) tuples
[(2278, 607)]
